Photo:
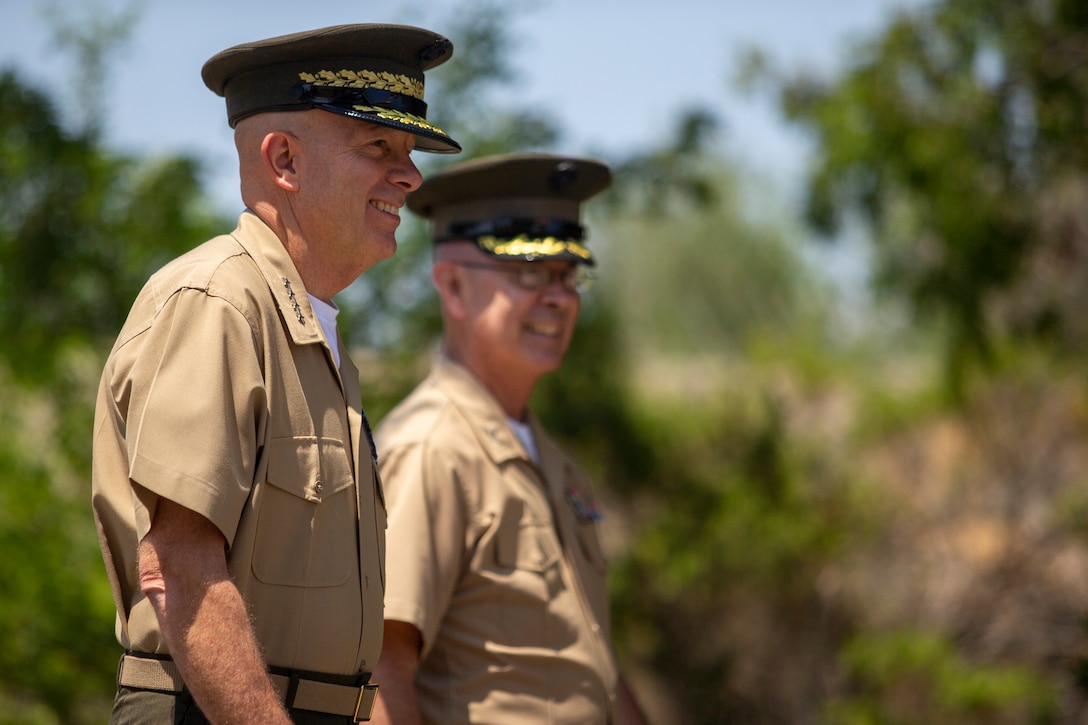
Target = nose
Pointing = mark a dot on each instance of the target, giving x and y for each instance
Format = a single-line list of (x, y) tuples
[(406, 175)]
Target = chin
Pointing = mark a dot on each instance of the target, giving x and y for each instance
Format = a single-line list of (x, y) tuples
[(388, 243), (380, 250), (544, 364)]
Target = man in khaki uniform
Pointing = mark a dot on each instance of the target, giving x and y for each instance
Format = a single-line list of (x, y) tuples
[(496, 601), (238, 505)]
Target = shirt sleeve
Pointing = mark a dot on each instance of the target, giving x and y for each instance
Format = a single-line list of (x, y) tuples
[(198, 401), (426, 537)]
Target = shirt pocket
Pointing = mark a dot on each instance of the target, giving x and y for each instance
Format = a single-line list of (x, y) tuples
[(526, 556), (527, 580), (523, 543), (306, 518)]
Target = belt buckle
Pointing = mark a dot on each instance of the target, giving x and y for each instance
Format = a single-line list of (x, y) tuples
[(368, 695)]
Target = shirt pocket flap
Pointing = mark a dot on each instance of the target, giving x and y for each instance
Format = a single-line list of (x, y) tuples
[(525, 544), (311, 468)]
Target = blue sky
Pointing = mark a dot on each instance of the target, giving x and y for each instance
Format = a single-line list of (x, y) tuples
[(616, 73)]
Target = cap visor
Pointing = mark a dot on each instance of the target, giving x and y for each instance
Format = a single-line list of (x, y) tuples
[(428, 136)]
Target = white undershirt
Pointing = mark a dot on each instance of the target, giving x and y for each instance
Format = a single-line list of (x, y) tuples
[(326, 316), (525, 435)]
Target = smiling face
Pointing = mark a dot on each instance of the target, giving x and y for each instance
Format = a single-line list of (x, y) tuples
[(530, 329), (354, 177), (508, 336)]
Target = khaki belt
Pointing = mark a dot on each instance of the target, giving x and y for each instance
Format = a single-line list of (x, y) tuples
[(162, 674)]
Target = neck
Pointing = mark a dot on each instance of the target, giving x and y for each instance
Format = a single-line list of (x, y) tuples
[(317, 283), (512, 392), (513, 399)]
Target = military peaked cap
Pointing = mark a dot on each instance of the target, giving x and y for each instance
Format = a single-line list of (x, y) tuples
[(517, 206), (372, 72)]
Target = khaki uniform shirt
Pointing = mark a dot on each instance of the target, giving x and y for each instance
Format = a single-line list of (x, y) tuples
[(221, 395), (495, 560)]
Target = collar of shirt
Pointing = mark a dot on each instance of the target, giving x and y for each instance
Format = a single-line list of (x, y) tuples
[(326, 316), (283, 279), (525, 434), (489, 422)]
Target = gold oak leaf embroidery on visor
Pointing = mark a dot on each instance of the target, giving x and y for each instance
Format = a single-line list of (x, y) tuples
[(394, 115)]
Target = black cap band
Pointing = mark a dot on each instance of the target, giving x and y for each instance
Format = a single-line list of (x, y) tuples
[(353, 98), (510, 228)]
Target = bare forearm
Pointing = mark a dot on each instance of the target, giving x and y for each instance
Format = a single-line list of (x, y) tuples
[(212, 643), (395, 674), (397, 702), (184, 574)]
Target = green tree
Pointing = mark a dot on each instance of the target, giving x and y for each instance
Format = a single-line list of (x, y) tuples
[(957, 137)]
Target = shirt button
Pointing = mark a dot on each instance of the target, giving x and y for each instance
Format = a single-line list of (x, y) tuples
[(317, 487)]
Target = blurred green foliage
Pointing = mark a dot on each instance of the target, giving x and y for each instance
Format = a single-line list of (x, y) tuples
[(910, 677), (59, 653)]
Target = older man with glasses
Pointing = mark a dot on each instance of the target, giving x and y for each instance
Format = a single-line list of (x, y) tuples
[(496, 601)]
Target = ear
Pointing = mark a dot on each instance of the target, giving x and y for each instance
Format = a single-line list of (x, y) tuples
[(279, 152), (449, 282)]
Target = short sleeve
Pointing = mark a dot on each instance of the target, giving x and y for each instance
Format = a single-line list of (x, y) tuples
[(426, 537), (197, 404)]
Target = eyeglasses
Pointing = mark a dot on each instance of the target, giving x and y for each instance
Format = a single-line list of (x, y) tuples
[(577, 279)]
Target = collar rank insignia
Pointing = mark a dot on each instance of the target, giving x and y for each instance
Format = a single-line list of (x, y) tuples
[(584, 507)]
